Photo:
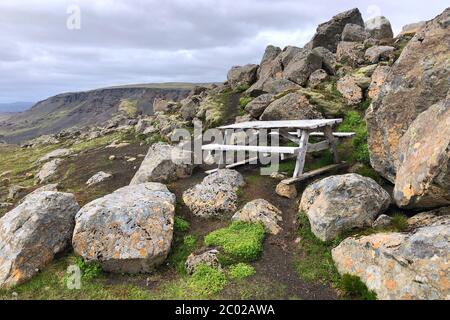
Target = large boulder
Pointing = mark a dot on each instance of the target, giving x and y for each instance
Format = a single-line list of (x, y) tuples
[(288, 54), (127, 231), (340, 203), (354, 32), (276, 86), (242, 76), (293, 106), (216, 195), (400, 265), (58, 153), (261, 211), (417, 80), (32, 233), (423, 175), (376, 54), (329, 63), (379, 28), (328, 34), (301, 66), (350, 53), (164, 163), (257, 106), (270, 68)]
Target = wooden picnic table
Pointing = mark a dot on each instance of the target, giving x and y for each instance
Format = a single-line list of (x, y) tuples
[(297, 131)]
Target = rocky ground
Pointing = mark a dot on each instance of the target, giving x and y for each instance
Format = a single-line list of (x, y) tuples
[(109, 199)]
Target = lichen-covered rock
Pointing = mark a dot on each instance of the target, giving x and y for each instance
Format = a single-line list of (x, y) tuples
[(350, 53), (48, 170), (209, 258), (277, 86), (189, 107), (99, 177), (129, 230), (417, 80), (329, 62), (286, 190), (242, 76), (288, 54), (412, 28), (434, 217), (423, 170), (376, 54), (261, 211), (164, 163), (379, 28), (32, 233), (339, 203), (399, 266), (216, 195), (293, 106), (328, 34), (257, 106), (301, 66), (58, 153), (16, 192), (317, 77), (378, 78), (354, 32), (350, 90), (270, 68)]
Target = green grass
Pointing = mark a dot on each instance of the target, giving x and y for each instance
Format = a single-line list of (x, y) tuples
[(353, 287), (207, 281), (354, 122), (241, 271), (244, 101), (129, 107), (399, 222), (240, 241), (88, 271), (97, 142), (180, 225), (182, 247), (367, 171), (242, 88)]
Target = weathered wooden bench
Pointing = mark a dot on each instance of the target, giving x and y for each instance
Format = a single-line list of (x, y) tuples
[(297, 131)]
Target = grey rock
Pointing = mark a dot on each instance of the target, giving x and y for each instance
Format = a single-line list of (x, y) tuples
[(15, 192), (209, 258), (354, 32), (127, 231), (216, 195), (48, 170), (164, 163), (301, 66), (317, 77), (399, 266), (376, 54), (97, 178), (340, 203), (293, 106), (382, 221), (350, 53), (328, 34), (350, 90), (379, 28), (261, 211), (58, 153), (32, 233), (329, 62), (257, 106), (239, 76)]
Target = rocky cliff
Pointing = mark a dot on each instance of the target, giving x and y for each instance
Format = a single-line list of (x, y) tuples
[(80, 109)]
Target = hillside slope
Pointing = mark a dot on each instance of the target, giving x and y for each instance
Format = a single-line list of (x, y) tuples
[(86, 108)]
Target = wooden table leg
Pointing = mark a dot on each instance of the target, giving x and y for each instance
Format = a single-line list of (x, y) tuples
[(328, 131), (303, 144), (223, 154)]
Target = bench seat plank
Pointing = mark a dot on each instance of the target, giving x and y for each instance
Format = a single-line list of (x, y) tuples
[(269, 149)]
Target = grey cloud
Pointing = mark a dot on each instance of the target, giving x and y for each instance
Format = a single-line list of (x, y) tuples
[(155, 41)]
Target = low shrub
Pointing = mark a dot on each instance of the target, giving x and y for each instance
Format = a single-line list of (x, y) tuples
[(353, 287), (89, 271), (354, 122), (180, 225), (399, 222), (241, 240)]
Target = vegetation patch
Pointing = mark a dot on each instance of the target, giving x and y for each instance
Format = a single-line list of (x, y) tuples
[(182, 247), (399, 222), (89, 271), (241, 241), (354, 122), (354, 288), (241, 271), (180, 225), (244, 101), (129, 107), (207, 281)]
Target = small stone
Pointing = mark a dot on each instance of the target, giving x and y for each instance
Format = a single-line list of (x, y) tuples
[(262, 211), (382, 221), (208, 258), (286, 190), (98, 178), (112, 157)]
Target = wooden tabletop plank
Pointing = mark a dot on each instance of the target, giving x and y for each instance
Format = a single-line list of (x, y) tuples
[(296, 124), (269, 149)]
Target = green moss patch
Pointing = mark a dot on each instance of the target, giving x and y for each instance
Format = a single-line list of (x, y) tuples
[(241, 240), (207, 280), (241, 271)]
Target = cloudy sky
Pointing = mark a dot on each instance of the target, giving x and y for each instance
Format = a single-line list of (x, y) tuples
[(141, 41)]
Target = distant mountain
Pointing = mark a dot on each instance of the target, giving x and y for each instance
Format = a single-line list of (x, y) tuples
[(80, 109), (15, 106)]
